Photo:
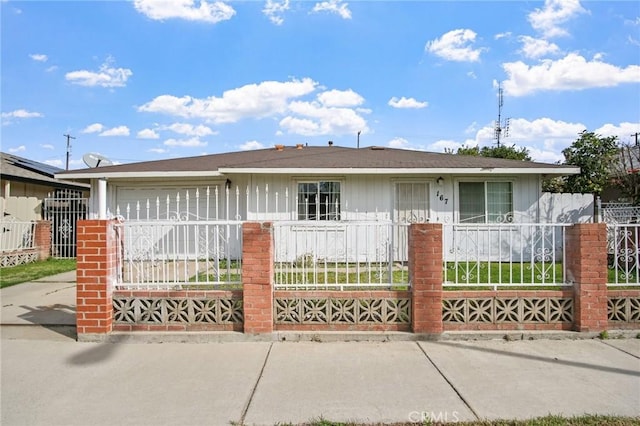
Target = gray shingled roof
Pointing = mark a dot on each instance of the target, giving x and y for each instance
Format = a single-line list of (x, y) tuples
[(328, 157), (21, 169)]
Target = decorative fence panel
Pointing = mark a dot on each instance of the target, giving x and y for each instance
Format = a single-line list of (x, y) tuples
[(181, 255), (623, 254), (340, 255), (17, 243), (64, 210), (505, 254)]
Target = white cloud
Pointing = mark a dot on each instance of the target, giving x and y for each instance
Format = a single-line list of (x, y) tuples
[(189, 129), (400, 143), (47, 146), (536, 48), (253, 100), (251, 145), (158, 150), (340, 98), (51, 68), (185, 143), (116, 131), (623, 131), (208, 11), (545, 138), (445, 145), (275, 9), (334, 6), (498, 36), (573, 72), (93, 128), (147, 134), (55, 163), (21, 113), (455, 45), (471, 128), (20, 148), (554, 13), (406, 103), (39, 57), (316, 119), (472, 75), (106, 76)]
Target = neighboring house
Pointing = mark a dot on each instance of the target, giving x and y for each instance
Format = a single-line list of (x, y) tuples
[(627, 167), (323, 183), (24, 184)]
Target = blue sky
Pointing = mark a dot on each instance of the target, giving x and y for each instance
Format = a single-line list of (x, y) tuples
[(147, 79)]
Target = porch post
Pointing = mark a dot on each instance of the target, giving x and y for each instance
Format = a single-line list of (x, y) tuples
[(102, 198), (257, 277), (425, 275), (96, 275), (587, 268)]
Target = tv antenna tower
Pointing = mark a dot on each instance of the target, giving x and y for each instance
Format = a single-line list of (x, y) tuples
[(501, 129)]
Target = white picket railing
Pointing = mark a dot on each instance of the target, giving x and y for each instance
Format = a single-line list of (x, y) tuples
[(16, 235), (505, 254), (340, 255), (623, 251), (180, 254)]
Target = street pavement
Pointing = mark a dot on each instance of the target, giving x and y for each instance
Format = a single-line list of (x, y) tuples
[(48, 378)]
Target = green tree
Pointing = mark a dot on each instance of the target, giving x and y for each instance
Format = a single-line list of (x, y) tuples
[(509, 152), (595, 155)]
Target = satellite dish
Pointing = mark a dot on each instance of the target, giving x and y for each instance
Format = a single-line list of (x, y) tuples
[(94, 160)]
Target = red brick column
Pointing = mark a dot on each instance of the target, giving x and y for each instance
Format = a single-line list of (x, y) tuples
[(425, 274), (96, 275), (257, 277), (42, 239), (586, 252)]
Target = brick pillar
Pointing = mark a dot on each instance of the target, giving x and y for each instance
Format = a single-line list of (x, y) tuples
[(586, 252), (425, 273), (42, 239), (257, 277), (96, 275)]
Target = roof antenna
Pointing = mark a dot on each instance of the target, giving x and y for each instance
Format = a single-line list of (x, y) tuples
[(500, 125), (358, 145)]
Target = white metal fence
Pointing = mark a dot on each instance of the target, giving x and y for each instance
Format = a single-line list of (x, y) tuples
[(180, 254), (623, 252), (16, 235), (340, 255), (506, 254)]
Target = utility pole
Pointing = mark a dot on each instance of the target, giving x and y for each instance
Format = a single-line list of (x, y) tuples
[(636, 136), (69, 137)]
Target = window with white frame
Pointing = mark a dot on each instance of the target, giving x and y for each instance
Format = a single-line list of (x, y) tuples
[(319, 200), (485, 202)]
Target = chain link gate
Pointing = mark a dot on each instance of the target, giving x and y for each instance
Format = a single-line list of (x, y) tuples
[(64, 210)]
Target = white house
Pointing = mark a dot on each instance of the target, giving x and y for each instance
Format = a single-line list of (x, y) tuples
[(323, 183), (330, 204)]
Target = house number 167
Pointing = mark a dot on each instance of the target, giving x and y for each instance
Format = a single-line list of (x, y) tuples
[(441, 197)]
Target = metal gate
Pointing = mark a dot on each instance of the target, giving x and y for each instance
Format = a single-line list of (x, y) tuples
[(64, 210)]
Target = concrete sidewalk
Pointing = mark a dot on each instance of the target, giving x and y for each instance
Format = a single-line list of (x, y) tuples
[(50, 379), (47, 378), (46, 301)]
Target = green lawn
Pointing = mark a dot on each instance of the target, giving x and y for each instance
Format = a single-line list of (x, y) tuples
[(31, 271)]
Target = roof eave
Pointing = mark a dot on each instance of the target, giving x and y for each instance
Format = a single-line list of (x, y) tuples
[(398, 171), (132, 175)]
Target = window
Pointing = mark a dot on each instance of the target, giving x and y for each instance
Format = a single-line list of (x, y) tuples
[(485, 202), (319, 200), (412, 202)]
